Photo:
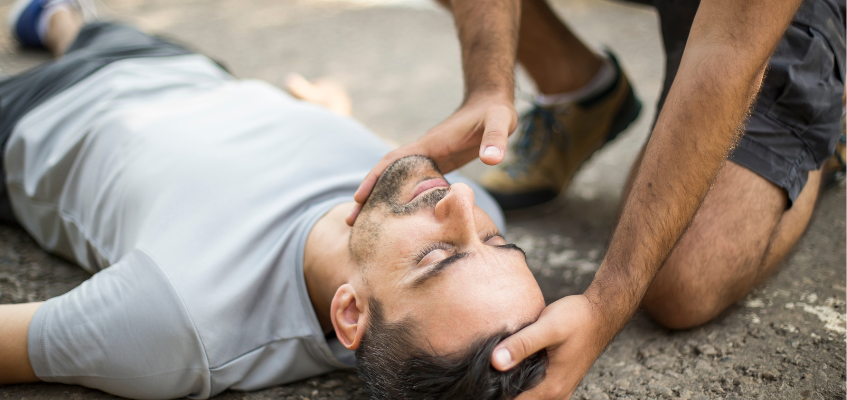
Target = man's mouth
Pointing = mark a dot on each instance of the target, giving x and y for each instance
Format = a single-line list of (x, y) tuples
[(428, 185)]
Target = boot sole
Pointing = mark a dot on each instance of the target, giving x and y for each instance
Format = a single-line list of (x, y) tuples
[(625, 116)]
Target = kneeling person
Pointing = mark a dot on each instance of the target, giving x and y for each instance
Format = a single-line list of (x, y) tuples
[(211, 212)]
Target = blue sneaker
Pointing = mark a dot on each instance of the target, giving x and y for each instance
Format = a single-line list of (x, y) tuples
[(25, 16), (23, 19)]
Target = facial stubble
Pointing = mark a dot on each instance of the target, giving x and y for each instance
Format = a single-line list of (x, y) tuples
[(385, 200)]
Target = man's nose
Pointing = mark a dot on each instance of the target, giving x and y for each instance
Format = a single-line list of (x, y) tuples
[(456, 210)]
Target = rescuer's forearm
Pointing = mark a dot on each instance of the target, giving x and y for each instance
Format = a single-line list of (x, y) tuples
[(488, 34), (720, 73)]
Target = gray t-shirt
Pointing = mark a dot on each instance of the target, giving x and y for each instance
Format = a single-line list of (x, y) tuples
[(189, 195)]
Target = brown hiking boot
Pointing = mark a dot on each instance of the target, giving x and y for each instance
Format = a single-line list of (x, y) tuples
[(553, 142)]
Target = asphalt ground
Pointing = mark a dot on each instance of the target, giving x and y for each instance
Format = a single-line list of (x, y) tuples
[(400, 61)]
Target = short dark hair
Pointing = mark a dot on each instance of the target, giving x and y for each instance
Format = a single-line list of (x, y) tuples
[(393, 367)]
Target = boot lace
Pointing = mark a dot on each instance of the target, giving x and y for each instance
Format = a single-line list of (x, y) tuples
[(538, 128)]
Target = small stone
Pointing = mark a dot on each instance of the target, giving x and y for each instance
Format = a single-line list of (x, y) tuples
[(707, 350), (784, 329), (703, 366), (593, 389), (769, 375), (638, 390), (332, 383), (633, 370), (717, 389), (339, 392), (659, 362), (599, 396), (661, 389), (755, 303), (755, 332)]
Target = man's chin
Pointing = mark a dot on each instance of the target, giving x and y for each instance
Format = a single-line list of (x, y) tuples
[(397, 184)]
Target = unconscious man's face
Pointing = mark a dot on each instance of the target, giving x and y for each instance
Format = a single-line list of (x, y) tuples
[(441, 284)]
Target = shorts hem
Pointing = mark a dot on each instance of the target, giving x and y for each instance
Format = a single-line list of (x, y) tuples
[(773, 166)]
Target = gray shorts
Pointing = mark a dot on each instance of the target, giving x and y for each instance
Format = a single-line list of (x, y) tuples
[(795, 124), (96, 46)]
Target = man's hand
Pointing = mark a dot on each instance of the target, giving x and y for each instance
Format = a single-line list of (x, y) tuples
[(488, 33), (574, 333), (480, 128), (323, 92)]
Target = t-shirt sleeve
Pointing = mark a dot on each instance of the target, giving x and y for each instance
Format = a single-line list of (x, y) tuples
[(125, 331)]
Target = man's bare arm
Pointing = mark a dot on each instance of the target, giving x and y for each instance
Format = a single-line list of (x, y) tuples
[(721, 70), (728, 48), (488, 33), (14, 357)]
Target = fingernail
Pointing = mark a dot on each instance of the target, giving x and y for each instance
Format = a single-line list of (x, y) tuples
[(491, 151), (503, 357)]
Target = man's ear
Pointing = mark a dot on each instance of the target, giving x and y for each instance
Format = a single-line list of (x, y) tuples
[(348, 316)]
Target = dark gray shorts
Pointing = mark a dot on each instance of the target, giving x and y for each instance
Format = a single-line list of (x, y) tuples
[(795, 124), (96, 46)]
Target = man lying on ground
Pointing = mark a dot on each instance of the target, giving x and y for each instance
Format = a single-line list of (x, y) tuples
[(211, 212)]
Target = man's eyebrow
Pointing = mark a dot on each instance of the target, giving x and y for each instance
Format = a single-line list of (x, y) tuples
[(508, 246), (513, 247), (443, 264), (437, 268)]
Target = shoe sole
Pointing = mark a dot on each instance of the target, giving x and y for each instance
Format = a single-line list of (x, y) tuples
[(623, 119)]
